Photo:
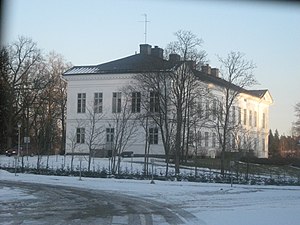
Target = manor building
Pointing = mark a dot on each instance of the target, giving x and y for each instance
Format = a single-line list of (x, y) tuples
[(95, 96)]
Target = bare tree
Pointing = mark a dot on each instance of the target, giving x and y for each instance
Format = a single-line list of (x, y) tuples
[(185, 86), (94, 131), (75, 138), (124, 122), (23, 57), (72, 145), (56, 65), (156, 108), (187, 46), (4, 94), (175, 91), (238, 72)]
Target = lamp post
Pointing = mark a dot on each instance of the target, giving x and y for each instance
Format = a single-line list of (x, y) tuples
[(110, 154), (152, 178), (19, 141), (19, 138)]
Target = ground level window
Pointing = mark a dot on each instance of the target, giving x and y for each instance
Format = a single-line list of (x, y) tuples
[(214, 140), (153, 135), (206, 139), (80, 135), (110, 135)]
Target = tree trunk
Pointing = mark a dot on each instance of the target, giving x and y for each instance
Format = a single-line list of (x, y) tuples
[(178, 139)]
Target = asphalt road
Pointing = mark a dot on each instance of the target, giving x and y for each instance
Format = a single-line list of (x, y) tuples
[(50, 204)]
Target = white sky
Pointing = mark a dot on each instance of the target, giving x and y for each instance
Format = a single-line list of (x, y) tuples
[(97, 31)]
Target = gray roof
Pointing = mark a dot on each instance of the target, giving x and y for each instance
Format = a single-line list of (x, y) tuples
[(131, 64), (140, 63), (257, 93), (223, 83)]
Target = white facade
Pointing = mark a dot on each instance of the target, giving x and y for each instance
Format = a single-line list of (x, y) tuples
[(107, 85), (253, 109)]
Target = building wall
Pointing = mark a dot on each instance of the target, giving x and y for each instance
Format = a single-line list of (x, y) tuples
[(107, 84)]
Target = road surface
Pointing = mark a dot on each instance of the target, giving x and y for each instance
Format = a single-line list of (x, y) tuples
[(49, 204)]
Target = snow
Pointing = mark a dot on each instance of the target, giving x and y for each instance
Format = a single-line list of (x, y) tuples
[(212, 204)]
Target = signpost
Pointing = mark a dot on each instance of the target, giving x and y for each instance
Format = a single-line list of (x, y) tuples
[(152, 163), (231, 167), (27, 141), (80, 162)]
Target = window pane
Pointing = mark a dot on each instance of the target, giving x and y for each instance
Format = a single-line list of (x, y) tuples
[(154, 102), (116, 102), (81, 101)]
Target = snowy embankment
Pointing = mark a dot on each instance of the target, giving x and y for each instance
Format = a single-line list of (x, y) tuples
[(134, 168), (213, 204), (128, 165)]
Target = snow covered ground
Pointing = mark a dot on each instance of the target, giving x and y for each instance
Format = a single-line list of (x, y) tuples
[(131, 165), (212, 204)]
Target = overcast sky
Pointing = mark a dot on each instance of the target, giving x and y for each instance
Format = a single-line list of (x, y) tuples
[(96, 31)]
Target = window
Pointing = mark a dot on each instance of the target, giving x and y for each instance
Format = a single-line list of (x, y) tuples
[(233, 144), (81, 101), (153, 135), (98, 100), (221, 111), (199, 138), (80, 135), (255, 118), (233, 115), (239, 142), (255, 144), (206, 139), (214, 109), (214, 140), (245, 116), (249, 144), (264, 120), (154, 102), (191, 138), (240, 116), (200, 109), (250, 118), (110, 135), (116, 102), (136, 102), (263, 144), (207, 109)]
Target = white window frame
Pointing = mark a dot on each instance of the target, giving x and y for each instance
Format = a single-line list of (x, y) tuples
[(81, 102), (136, 102), (116, 102), (154, 102), (98, 102), (80, 135), (153, 135)]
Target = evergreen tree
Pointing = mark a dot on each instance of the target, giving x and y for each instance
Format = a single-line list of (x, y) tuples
[(274, 141)]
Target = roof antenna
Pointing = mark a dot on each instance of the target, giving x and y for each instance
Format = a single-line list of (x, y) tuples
[(145, 21)]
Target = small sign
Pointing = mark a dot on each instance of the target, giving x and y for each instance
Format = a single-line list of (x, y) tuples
[(26, 140)]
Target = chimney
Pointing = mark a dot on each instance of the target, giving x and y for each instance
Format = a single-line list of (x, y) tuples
[(157, 52), (206, 69), (145, 49), (215, 72), (174, 57)]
